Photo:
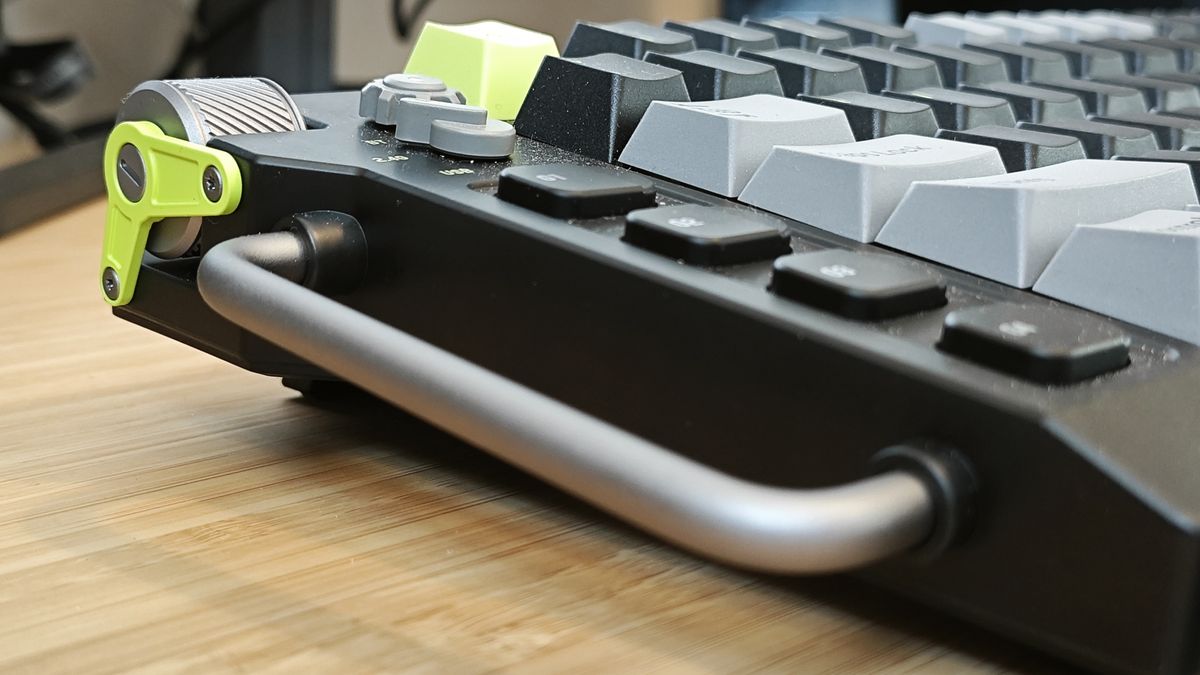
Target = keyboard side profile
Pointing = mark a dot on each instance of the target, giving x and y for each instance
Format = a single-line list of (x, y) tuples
[(668, 267)]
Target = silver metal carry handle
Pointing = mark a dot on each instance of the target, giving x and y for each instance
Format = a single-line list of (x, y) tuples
[(254, 282)]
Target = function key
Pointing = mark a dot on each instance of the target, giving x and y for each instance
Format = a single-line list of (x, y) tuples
[(864, 32), (802, 72), (720, 35), (1100, 140), (1125, 26), (1021, 149), (961, 109), (1041, 344), (1018, 28), (717, 145), (592, 104), (1173, 133), (1072, 28), (1028, 63), (574, 190), (1099, 98), (1088, 60), (1034, 104), (886, 69), (791, 32), (711, 76), (1160, 93), (874, 116), (1007, 227), (960, 66), (857, 286), (1141, 58), (707, 235), (1187, 52), (951, 30), (627, 38)]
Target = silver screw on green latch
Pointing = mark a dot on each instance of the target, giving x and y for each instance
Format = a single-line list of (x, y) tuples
[(111, 283), (213, 187)]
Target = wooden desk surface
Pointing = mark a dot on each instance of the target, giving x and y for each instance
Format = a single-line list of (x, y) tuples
[(162, 511)]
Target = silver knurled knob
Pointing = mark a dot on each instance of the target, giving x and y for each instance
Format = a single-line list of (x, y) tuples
[(378, 99)]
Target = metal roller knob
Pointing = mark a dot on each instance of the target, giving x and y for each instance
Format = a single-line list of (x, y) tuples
[(197, 111)]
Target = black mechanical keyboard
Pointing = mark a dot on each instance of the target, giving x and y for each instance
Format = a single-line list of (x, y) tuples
[(921, 303)]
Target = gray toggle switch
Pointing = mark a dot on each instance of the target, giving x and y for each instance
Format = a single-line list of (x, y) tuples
[(1008, 227), (851, 189), (414, 117), (1144, 270), (717, 145), (494, 140), (378, 99)]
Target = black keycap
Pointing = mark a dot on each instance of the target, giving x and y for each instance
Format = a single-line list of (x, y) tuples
[(592, 104), (1187, 52), (1141, 58), (1034, 104), (574, 190), (707, 235), (886, 69), (874, 116), (710, 76), (627, 38), (802, 72), (961, 109), (1086, 60), (857, 286), (1021, 149), (1159, 93), (1189, 157), (1100, 140), (1190, 112), (1099, 98), (1042, 344), (864, 32), (1173, 133), (1028, 63), (960, 66), (791, 32), (1192, 79), (720, 35)]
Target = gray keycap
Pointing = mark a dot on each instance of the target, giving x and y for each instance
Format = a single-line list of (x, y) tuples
[(1144, 269), (717, 145), (1141, 58), (414, 117), (627, 38), (960, 66), (1100, 140), (1160, 94), (1099, 98), (951, 30), (1088, 60), (1173, 133), (790, 32), (1034, 104), (961, 109), (712, 75), (864, 32), (1187, 52), (494, 140), (1008, 227), (1028, 63), (851, 189), (873, 116), (724, 36), (802, 72), (886, 69), (1022, 149)]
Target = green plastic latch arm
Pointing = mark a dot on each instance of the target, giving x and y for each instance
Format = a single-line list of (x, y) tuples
[(169, 182)]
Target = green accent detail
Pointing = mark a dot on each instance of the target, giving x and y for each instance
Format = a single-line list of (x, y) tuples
[(492, 63), (173, 187)]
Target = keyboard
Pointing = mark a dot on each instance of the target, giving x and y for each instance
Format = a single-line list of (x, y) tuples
[(917, 302)]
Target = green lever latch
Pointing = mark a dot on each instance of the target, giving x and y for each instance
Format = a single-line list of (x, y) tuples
[(150, 176)]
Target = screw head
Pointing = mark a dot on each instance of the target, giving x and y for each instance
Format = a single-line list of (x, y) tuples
[(131, 173), (111, 283), (212, 184)]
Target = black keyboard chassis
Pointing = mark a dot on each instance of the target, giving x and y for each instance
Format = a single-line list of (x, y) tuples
[(1085, 537)]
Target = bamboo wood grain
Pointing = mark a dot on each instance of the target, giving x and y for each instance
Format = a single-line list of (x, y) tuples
[(161, 511)]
